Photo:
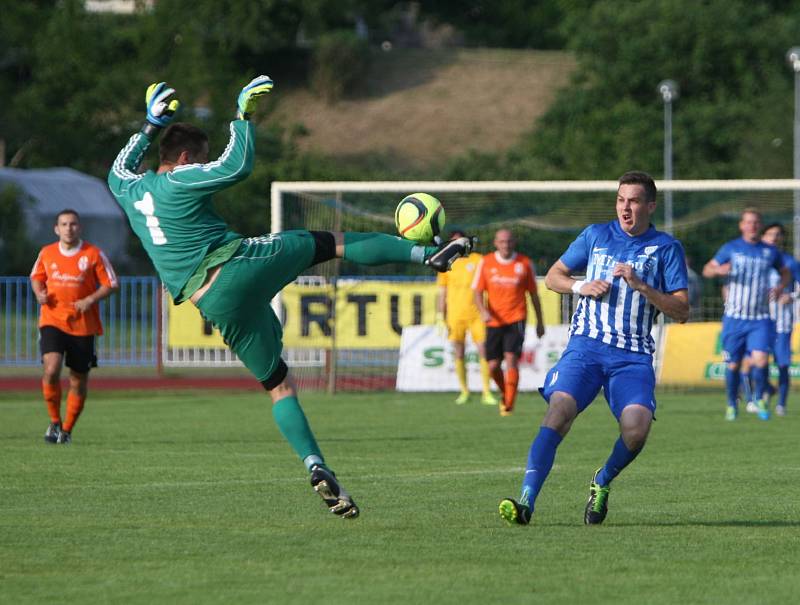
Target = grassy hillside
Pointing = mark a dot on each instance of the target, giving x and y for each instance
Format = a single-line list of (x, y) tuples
[(417, 108)]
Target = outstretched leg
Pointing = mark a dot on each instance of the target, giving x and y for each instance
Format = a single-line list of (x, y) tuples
[(556, 424), (381, 248)]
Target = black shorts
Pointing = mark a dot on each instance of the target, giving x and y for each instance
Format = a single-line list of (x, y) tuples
[(78, 351), (505, 339)]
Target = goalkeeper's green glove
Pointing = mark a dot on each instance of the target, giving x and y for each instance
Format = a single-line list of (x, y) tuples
[(249, 96), (160, 108)]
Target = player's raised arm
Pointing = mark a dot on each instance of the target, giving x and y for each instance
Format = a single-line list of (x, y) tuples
[(161, 108), (236, 162)]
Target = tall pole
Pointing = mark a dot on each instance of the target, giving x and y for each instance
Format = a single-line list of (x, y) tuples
[(669, 92), (793, 57)]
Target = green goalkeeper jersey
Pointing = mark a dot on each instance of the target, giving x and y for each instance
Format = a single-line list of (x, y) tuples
[(172, 213)]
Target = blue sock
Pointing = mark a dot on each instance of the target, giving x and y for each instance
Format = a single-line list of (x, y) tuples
[(540, 461), (747, 388), (620, 457), (759, 381), (732, 385), (783, 384)]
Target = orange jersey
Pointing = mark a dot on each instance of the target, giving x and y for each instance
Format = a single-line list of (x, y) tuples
[(505, 283), (460, 303), (70, 276)]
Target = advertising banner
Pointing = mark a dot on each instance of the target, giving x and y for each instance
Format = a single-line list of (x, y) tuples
[(368, 314), (693, 355), (426, 360)]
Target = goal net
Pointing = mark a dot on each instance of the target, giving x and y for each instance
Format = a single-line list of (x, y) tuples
[(343, 322)]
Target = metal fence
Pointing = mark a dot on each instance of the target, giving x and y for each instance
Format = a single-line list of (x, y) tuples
[(131, 323), (134, 333)]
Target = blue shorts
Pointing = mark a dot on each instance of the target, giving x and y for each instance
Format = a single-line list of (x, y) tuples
[(587, 365), (782, 348), (741, 335)]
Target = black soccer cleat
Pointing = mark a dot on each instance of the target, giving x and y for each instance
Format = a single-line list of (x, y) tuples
[(512, 512), (597, 505), (336, 499), (64, 437), (445, 256), (52, 432)]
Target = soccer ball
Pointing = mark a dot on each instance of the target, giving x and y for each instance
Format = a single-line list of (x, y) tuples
[(420, 218)]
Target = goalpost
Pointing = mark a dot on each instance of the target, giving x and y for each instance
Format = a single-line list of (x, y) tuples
[(544, 215), (342, 321)]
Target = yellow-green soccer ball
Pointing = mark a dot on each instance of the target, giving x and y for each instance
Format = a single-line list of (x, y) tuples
[(419, 217)]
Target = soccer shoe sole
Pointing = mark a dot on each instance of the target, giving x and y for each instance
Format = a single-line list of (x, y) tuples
[(336, 499), (512, 513), (443, 259), (342, 506)]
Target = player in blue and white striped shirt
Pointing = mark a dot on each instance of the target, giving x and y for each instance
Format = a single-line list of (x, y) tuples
[(781, 312), (633, 272), (746, 262)]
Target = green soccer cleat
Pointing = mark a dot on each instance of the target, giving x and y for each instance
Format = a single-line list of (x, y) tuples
[(763, 409), (336, 499), (489, 399), (513, 512), (597, 506), (731, 413), (462, 398)]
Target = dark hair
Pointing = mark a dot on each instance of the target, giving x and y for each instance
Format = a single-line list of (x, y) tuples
[(179, 137), (68, 211), (635, 177), (456, 233), (778, 226)]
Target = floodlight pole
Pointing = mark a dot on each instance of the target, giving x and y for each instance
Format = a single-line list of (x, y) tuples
[(668, 89), (793, 57)]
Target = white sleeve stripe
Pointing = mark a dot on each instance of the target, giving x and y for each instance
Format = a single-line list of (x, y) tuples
[(215, 164), (36, 264), (112, 277), (119, 163)]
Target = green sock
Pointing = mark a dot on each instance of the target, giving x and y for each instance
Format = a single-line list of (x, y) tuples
[(294, 427), (380, 248)]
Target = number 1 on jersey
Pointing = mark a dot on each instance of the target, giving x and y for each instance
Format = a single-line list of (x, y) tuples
[(146, 207)]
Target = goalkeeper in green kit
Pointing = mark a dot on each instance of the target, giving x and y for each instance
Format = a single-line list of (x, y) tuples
[(231, 279)]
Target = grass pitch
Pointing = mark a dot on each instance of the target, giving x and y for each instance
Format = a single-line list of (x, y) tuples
[(195, 498)]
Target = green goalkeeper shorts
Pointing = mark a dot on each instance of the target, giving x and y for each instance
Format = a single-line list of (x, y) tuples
[(238, 302)]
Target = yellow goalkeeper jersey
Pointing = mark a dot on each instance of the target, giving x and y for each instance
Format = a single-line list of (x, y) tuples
[(460, 302)]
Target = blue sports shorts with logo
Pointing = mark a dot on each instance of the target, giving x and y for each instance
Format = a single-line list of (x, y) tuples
[(238, 302), (742, 335), (588, 365)]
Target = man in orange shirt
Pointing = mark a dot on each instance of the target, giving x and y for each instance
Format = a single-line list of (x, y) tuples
[(69, 278), (504, 276)]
